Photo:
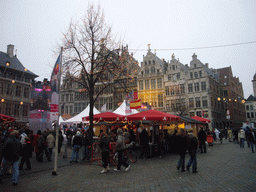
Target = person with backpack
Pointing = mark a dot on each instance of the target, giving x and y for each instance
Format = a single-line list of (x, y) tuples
[(77, 144), (192, 145)]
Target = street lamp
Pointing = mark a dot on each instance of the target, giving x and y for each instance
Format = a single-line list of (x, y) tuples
[(2, 108)]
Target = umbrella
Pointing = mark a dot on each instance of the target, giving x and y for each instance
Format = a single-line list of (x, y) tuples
[(201, 119), (152, 115), (6, 118), (106, 116)]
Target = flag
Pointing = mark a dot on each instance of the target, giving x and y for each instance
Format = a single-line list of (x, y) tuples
[(135, 104), (103, 108), (55, 88)]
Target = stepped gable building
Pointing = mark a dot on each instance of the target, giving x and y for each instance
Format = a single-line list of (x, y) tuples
[(192, 90), (15, 86), (250, 107), (150, 81), (233, 98)]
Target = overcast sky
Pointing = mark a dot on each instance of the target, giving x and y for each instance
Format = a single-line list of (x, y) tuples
[(35, 28)]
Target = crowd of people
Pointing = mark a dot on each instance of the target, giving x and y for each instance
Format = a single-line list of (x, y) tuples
[(18, 143)]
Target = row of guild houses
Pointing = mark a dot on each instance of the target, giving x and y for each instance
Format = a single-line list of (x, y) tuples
[(173, 87)]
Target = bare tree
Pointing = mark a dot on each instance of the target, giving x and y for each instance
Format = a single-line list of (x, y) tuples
[(94, 59)]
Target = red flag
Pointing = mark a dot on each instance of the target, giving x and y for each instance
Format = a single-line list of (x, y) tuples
[(135, 95)]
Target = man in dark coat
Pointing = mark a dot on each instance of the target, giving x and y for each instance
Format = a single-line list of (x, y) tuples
[(144, 142), (202, 138), (252, 139), (11, 154), (192, 148)]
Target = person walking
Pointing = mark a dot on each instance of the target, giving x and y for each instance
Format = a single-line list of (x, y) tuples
[(104, 146), (182, 148), (202, 138), (120, 146), (50, 142), (252, 138), (144, 142), (77, 144), (26, 154), (241, 137), (192, 149), (11, 154)]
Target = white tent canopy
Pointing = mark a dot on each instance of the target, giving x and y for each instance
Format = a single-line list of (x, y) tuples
[(78, 118), (60, 120), (121, 110)]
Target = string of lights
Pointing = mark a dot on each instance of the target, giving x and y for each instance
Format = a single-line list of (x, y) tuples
[(191, 48)]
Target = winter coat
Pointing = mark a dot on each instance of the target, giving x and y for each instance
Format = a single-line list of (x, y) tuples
[(202, 136), (251, 137), (192, 142), (50, 141), (144, 138), (120, 142), (27, 150), (182, 145), (12, 149), (104, 144), (77, 140), (241, 134)]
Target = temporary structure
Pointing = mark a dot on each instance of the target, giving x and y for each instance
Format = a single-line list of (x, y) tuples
[(152, 115), (6, 118), (106, 116), (122, 110), (78, 118), (201, 119)]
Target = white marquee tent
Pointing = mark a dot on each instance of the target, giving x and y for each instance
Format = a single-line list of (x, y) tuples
[(78, 118), (121, 110)]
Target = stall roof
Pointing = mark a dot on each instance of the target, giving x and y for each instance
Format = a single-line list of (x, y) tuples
[(190, 120)]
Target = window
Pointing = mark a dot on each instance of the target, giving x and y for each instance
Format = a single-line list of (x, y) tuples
[(141, 85), (154, 62), (16, 109), (169, 77), (196, 86), (66, 109), (248, 115), (168, 105), (178, 75), (196, 75), (149, 62), (146, 84), (251, 107), (206, 114), (200, 73), (247, 107), (167, 92), (1, 87), (159, 83), (71, 97), (70, 109), (191, 75), (199, 113), (160, 100), (198, 102), (252, 115), (191, 102), (153, 70), (62, 98), (182, 89), (173, 67), (190, 88), (26, 92), (9, 89), (25, 110), (194, 65), (18, 91), (203, 86), (146, 71), (145, 62), (67, 97), (141, 72), (174, 77), (204, 101), (153, 83)]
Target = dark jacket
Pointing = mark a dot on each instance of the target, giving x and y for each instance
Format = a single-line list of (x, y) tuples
[(251, 138), (12, 150), (77, 140), (27, 150), (202, 136), (192, 141), (182, 145), (104, 144), (144, 138)]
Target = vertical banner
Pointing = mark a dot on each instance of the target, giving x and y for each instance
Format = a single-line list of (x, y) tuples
[(55, 88)]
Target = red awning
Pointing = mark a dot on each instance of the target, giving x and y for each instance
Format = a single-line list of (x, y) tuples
[(106, 116), (201, 119), (6, 118), (152, 115)]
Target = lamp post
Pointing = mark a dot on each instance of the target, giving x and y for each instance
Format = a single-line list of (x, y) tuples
[(2, 106)]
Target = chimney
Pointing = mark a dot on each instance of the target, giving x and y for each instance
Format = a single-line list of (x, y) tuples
[(10, 49)]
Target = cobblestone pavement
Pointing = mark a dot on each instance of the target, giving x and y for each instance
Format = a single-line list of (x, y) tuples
[(225, 167)]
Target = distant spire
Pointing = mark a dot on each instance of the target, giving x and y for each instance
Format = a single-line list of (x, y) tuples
[(149, 48)]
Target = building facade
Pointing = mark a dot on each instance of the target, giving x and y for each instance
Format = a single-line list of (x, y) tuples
[(15, 86)]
